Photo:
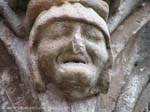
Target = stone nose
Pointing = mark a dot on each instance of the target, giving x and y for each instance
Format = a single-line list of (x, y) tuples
[(78, 45)]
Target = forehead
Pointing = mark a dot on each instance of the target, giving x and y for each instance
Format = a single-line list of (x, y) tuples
[(71, 23), (59, 25)]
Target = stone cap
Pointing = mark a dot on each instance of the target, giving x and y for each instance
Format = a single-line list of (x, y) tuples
[(35, 7)]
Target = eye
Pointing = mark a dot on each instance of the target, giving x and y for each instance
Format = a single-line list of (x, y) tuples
[(62, 28), (57, 30), (93, 34)]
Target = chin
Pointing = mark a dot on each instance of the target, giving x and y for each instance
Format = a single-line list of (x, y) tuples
[(76, 94), (77, 80)]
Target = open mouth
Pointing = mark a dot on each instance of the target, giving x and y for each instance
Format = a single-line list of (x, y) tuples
[(72, 59)]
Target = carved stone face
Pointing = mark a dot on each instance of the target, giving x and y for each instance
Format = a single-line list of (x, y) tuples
[(72, 56)]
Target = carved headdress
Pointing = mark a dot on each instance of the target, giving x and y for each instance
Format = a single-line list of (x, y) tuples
[(41, 12), (35, 7)]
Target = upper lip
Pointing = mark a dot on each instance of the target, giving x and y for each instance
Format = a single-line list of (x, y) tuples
[(72, 59)]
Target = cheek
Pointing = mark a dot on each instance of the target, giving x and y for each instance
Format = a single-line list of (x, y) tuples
[(97, 52), (50, 48)]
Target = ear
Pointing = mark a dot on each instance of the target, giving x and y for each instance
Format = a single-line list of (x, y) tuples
[(38, 82), (104, 79)]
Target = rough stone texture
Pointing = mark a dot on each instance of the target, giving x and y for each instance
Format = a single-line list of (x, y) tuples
[(17, 47), (35, 7), (139, 77), (124, 51), (128, 49), (11, 87), (128, 28), (143, 102), (126, 7), (12, 20), (74, 62), (143, 105)]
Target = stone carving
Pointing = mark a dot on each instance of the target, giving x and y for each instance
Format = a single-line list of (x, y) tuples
[(64, 57), (69, 51), (70, 48)]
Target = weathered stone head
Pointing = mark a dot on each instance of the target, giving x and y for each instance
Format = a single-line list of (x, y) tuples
[(69, 46)]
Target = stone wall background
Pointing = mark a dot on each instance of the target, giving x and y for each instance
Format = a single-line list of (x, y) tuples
[(127, 34)]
